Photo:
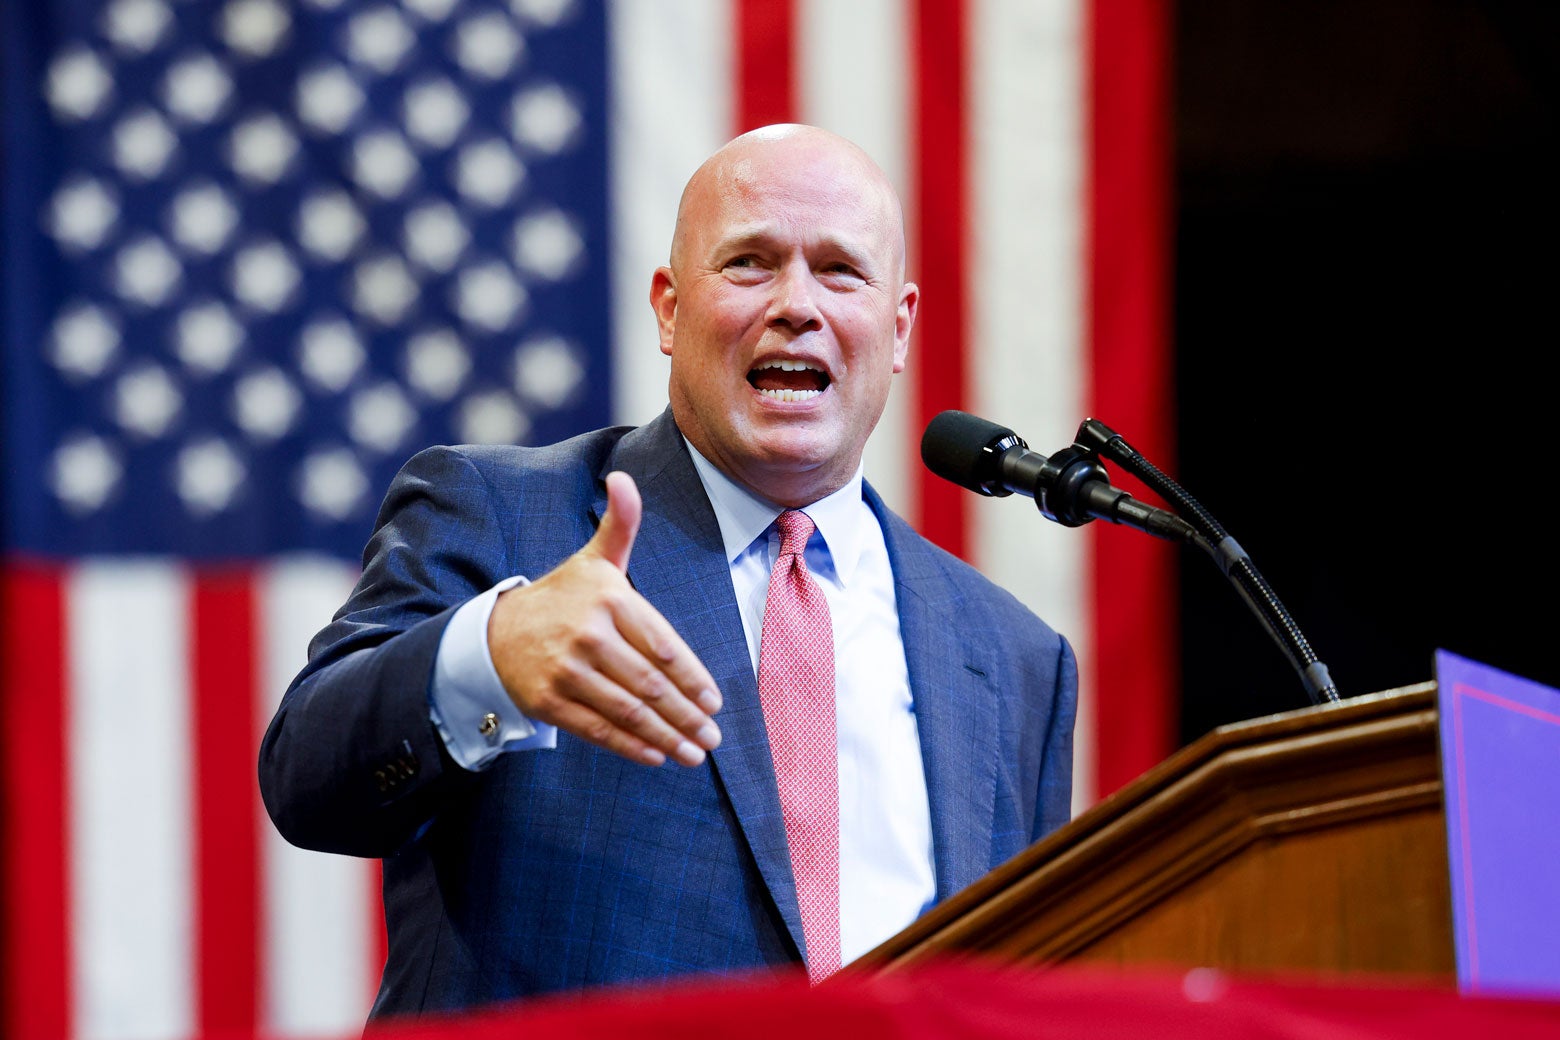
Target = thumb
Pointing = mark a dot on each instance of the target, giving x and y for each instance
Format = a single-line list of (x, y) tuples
[(614, 539)]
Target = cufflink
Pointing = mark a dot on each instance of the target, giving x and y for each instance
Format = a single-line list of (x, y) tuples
[(488, 726)]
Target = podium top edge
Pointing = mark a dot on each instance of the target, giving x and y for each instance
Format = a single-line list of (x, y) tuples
[(1368, 703)]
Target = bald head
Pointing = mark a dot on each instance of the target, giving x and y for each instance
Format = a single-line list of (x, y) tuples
[(755, 156), (785, 309)]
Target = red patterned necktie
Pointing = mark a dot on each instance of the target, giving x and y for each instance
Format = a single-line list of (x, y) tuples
[(796, 687)]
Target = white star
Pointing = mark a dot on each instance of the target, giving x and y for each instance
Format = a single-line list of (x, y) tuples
[(329, 225), (264, 276), (265, 403), (208, 336), (78, 85), (146, 272), (84, 473), (328, 99), (548, 245), (487, 173), (329, 354), (437, 364), (197, 88), (383, 290), (548, 372), (487, 46), (143, 144), (383, 164), (489, 297), (146, 401), (545, 118), (136, 26), (436, 236), (262, 149), (82, 213), (255, 28), (206, 476), (202, 219), (84, 342), (435, 112), (380, 417), (379, 39), (492, 418), (331, 483), (543, 12)]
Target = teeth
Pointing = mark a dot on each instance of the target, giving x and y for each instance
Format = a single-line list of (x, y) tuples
[(790, 395), (791, 366)]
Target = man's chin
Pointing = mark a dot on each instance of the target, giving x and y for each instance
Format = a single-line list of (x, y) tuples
[(798, 446), (799, 471)]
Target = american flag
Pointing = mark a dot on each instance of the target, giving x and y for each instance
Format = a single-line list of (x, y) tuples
[(257, 253)]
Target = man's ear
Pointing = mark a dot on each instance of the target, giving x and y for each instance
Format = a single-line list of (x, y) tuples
[(904, 321), (663, 300)]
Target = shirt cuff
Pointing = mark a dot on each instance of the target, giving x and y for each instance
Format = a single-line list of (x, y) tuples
[(467, 701)]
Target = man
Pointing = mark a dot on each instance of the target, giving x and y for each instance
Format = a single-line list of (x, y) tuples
[(891, 725)]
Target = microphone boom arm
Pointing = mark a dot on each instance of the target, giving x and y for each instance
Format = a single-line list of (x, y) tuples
[(1072, 488), (1095, 438)]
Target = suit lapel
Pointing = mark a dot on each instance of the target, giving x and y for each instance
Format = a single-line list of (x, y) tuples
[(955, 707), (679, 565)]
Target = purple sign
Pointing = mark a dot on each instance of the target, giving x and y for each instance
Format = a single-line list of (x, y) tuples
[(1500, 761)]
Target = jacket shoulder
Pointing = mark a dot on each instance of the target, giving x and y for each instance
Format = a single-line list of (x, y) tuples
[(921, 562)]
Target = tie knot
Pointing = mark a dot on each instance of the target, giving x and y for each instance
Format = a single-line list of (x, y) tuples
[(795, 528)]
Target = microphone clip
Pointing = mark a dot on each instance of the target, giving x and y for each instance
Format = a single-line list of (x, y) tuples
[(1063, 476)]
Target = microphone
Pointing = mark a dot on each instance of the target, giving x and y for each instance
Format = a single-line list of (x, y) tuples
[(1070, 487)]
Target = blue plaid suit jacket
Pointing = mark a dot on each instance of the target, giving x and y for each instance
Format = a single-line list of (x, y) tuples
[(564, 869)]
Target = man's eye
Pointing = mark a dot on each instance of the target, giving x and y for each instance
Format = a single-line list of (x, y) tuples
[(745, 269), (843, 273)]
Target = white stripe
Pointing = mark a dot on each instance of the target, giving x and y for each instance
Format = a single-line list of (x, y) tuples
[(671, 107), (317, 924), (128, 739), (851, 69), (1026, 290)]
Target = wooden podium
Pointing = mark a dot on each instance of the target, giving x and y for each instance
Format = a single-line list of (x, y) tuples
[(1311, 841)]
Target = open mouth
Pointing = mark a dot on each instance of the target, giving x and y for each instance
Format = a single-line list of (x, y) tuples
[(783, 380)]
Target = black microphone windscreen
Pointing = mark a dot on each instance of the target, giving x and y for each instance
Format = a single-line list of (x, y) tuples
[(956, 446)]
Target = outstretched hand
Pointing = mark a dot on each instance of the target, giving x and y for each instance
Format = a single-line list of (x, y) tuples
[(582, 650)]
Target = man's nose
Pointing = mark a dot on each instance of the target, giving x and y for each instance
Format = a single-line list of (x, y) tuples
[(792, 303)]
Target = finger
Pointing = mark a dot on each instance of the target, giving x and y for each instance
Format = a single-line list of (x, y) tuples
[(658, 642), (614, 539), (616, 718), (591, 726), (642, 677)]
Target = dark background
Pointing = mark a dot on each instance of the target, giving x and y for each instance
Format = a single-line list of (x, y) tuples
[(1365, 300)]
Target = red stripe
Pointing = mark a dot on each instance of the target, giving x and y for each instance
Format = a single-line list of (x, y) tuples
[(33, 683), (938, 32), (225, 680), (766, 63), (1136, 665), (379, 935)]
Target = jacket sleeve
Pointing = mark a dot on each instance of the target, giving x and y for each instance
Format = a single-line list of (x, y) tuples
[(352, 762), (1056, 769)]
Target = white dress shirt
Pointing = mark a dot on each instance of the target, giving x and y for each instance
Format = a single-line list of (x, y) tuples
[(886, 873)]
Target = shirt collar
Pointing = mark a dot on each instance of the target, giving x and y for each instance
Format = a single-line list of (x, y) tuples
[(744, 517)]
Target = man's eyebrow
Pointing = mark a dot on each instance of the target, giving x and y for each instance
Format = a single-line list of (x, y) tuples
[(745, 237), (758, 235)]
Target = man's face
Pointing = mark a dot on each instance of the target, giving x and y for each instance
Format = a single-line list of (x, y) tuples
[(785, 313)]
